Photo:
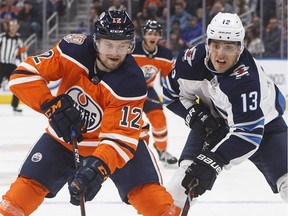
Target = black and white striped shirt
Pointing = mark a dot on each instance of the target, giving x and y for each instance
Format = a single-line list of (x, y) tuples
[(11, 48)]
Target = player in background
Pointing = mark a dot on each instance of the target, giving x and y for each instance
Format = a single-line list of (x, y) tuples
[(238, 118), (100, 98), (153, 59), (12, 50)]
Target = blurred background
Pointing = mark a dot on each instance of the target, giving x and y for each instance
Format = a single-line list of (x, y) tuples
[(44, 22)]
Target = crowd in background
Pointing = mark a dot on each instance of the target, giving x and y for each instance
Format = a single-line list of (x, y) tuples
[(186, 21), (185, 24), (28, 13)]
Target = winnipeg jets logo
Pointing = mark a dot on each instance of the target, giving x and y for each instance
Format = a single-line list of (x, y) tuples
[(189, 55), (240, 71)]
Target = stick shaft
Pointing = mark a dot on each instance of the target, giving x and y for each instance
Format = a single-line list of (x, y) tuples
[(77, 165), (189, 198)]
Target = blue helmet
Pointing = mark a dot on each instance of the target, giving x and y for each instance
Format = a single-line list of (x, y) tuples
[(114, 25), (152, 25)]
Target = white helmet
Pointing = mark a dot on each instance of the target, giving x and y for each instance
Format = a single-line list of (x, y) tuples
[(226, 26)]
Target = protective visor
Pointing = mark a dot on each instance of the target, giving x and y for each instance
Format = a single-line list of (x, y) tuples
[(106, 46)]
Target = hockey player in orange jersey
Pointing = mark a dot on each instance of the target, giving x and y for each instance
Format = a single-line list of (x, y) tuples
[(101, 98), (153, 59)]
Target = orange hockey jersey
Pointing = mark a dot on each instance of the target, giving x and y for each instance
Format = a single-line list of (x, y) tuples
[(112, 107), (152, 63)]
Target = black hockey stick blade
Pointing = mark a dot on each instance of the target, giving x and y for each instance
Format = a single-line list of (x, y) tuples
[(77, 166), (189, 198)]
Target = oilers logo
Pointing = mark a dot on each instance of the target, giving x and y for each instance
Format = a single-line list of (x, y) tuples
[(149, 71), (91, 112)]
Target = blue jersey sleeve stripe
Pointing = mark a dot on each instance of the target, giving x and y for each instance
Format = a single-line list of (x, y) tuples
[(253, 124), (252, 137)]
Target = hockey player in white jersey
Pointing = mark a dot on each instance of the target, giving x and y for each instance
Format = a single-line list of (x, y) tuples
[(237, 117)]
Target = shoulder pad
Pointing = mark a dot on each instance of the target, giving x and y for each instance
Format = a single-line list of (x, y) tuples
[(79, 47), (128, 80)]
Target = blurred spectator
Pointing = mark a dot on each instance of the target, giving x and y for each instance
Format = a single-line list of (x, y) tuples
[(256, 23), (227, 6), (142, 16), (272, 44), (152, 12), (175, 28), (252, 4), (97, 4), (19, 4), (7, 13), (199, 15), (84, 29), (176, 42), (216, 8), (29, 20), (163, 21), (50, 7), (192, 6), (93, 16), (241, 9), (181, 15), (117, 5), (137, 29), (58, 6), (253, 42), (269, 10), (192, 31), (156, 6)]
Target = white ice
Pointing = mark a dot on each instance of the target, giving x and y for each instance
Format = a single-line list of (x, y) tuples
[(241, 191)]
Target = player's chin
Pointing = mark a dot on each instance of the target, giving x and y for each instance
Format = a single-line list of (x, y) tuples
[(114, 64)]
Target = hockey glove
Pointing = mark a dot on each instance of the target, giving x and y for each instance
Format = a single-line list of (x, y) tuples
[(204, 169), (199, 119), (88, 179), (213, 137), (64, 117)]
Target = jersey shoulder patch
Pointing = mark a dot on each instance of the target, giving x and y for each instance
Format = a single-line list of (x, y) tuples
[(79, 47)]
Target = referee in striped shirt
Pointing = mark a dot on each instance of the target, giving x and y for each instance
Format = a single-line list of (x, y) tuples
[(12, 51)]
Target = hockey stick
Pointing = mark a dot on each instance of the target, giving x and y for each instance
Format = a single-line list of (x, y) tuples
[(189, 198), (77, 165), (154, 101)]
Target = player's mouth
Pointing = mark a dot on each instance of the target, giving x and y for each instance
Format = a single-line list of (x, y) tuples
[(114, 59), (221, 61)]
